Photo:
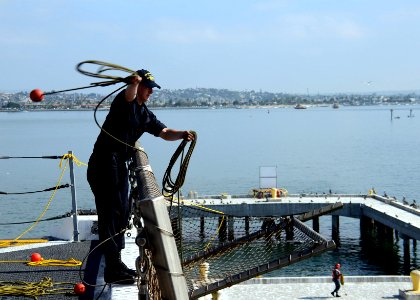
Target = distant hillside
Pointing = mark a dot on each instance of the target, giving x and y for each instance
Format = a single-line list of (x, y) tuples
[(207, 97)]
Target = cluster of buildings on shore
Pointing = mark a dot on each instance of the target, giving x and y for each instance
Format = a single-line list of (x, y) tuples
[(204, 97)]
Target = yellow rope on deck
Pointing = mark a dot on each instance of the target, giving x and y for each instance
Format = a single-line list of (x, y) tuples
[(48, 262), (56, 262), (33, 289), (12, 243)]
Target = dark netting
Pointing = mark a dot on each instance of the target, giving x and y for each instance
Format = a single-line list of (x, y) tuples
[(147, 187), (218, 250)]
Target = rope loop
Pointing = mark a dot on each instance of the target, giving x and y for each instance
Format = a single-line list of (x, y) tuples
[(170, 187), (103, 68), (71, 156)]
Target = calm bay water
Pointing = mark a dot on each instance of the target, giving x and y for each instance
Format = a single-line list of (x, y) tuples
[(347, 150)]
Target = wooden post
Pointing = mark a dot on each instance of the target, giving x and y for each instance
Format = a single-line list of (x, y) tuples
[(231, 231), (247, 225), (202, 227), (289, 232), (222, 230), (335, 219), (315, 224), (406, 251)]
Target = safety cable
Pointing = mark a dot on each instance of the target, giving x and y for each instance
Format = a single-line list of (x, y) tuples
[(44, 157), (42, 220), (39, 191), (80, 212)]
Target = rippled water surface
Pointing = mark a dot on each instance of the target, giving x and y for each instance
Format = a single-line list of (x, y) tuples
[(347, 150)]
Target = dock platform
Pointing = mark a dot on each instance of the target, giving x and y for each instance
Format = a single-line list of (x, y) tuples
[(404, 219), (387, 211), (312, 288)]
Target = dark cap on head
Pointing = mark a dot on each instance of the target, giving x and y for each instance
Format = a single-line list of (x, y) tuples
[(147, 78)]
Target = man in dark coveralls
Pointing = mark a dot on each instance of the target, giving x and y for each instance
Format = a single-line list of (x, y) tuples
[(107, 173)]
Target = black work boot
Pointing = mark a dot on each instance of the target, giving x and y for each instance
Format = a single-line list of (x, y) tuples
[(126, 269), (114, 273), (332, 293)]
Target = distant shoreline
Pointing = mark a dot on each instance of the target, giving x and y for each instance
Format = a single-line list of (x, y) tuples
[(271, 106)]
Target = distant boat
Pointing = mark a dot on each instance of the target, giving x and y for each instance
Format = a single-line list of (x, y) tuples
[(336, 105), (300, 106)]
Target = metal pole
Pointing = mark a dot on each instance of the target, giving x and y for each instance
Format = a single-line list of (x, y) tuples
[(73, 198)]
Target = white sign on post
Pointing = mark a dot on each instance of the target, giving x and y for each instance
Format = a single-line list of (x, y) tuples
[(268, 177)]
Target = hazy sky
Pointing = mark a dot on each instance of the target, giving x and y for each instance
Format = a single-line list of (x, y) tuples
[(295, 46)]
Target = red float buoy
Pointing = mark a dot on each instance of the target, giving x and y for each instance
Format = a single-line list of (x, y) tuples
[(79, 288), (36, 257), (36, 95)]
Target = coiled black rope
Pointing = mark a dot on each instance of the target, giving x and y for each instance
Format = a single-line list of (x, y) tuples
[(169, 186), (39, 191), (103, 67)]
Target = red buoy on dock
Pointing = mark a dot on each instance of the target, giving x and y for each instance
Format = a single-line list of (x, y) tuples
[(36, 95)]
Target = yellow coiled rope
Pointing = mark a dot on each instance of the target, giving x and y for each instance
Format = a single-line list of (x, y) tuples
[(48, 262), (33, 289), (56, 263)]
